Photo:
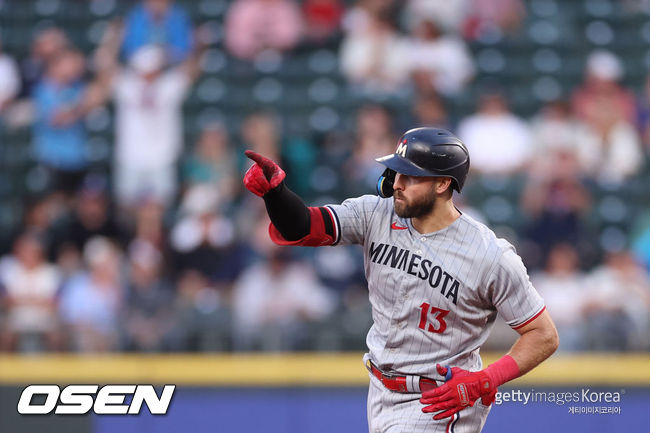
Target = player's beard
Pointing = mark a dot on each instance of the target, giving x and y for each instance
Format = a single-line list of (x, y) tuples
[(415, 209)]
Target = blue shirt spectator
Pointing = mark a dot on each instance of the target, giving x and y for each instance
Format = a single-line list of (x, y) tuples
[(158, 22), (59, 134)]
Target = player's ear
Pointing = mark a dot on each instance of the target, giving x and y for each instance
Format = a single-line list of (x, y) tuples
[(442, 185)]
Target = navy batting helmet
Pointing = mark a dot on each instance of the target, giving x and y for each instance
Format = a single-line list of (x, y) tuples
[(425, 152)]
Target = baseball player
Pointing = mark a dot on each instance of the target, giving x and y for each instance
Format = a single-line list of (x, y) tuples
[(436, 279)]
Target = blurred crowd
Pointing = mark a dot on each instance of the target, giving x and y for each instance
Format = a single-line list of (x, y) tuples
[(167, 252)]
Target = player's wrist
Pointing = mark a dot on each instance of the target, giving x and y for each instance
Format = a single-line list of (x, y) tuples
[(502, 371), (274, 192)]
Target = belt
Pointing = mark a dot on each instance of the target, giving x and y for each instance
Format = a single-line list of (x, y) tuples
[(403, 384)]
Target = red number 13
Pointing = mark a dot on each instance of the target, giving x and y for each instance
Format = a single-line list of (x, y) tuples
[(438, 317)]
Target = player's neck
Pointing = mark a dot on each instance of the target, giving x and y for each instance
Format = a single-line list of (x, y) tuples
[(443, 214)]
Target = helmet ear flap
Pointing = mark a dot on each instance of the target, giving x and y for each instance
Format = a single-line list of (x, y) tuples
[(385, 183)]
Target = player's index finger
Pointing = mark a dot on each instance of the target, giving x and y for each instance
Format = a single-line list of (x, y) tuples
[(254, 156)]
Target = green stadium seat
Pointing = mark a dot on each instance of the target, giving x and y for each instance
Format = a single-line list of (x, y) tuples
[(323, 61), (214, 61), (268, 90), (102, 8), (544, 8), (324, 90)]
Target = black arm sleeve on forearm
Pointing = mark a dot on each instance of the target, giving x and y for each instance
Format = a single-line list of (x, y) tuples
[(288, 212)]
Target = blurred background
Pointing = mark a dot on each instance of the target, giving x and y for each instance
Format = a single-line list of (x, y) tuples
[(124, 224)]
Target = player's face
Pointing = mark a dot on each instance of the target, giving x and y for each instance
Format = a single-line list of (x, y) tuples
[(413, 196)]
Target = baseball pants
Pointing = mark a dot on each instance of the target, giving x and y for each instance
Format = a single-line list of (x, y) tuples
[(393, 412)]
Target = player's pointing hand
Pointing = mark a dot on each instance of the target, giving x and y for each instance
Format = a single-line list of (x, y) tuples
[(263, 176)]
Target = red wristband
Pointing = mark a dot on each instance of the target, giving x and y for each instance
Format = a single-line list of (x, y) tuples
[(502, 371)]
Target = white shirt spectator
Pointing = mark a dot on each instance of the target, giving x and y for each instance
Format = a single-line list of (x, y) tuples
[(564, 296), (623, 288), (612, 159), (376, 59), (149, 134), (267, 297), (9, 79), (355, 19), (149, 118), (446, 59), (449, 14), (32, 289), (555, 134), (497, 143)]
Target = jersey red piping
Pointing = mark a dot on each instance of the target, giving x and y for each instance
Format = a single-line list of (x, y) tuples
[(531, 319)]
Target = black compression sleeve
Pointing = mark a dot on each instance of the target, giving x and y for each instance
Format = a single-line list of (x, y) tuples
[(288, 212)]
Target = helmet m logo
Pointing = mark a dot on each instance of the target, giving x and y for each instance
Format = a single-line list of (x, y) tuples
[(401, 150)]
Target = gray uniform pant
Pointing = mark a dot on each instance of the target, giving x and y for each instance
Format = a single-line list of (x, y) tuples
[(393, 412)]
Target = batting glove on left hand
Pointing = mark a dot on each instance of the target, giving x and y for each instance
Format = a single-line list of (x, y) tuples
[(462, 390)]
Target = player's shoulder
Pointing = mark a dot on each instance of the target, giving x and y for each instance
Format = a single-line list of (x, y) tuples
[(484, 237), (369, 203), (501, 255)]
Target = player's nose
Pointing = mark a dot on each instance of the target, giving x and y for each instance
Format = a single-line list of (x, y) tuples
[(399, 182)]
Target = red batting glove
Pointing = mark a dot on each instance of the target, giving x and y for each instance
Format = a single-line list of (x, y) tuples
[(263, 176), (462, 390)]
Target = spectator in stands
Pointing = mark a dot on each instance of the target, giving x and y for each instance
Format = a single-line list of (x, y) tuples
[(91, 216), (149, 301), (202, 317), (509, 147), (149, 124), (429, 110), (59, 136), (439, 62), (212, 162), (47, 45), (643, 113), (158, 22), (47, 217), (29, 287), (619, 304), (261, 131), (40, 214), (360, 15), (322, 18), (555, 205), (601, 101), (253, 26), (204, 238), (448, 15), (375, 60), (562, 285), (374, 137), (610, 150), (493, 17), (273, 300), (9, 80), (558, 137), (148, 225), (641, 242), (92, 301)]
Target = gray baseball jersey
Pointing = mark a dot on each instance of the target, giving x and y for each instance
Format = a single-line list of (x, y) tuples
[(434, 296)]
